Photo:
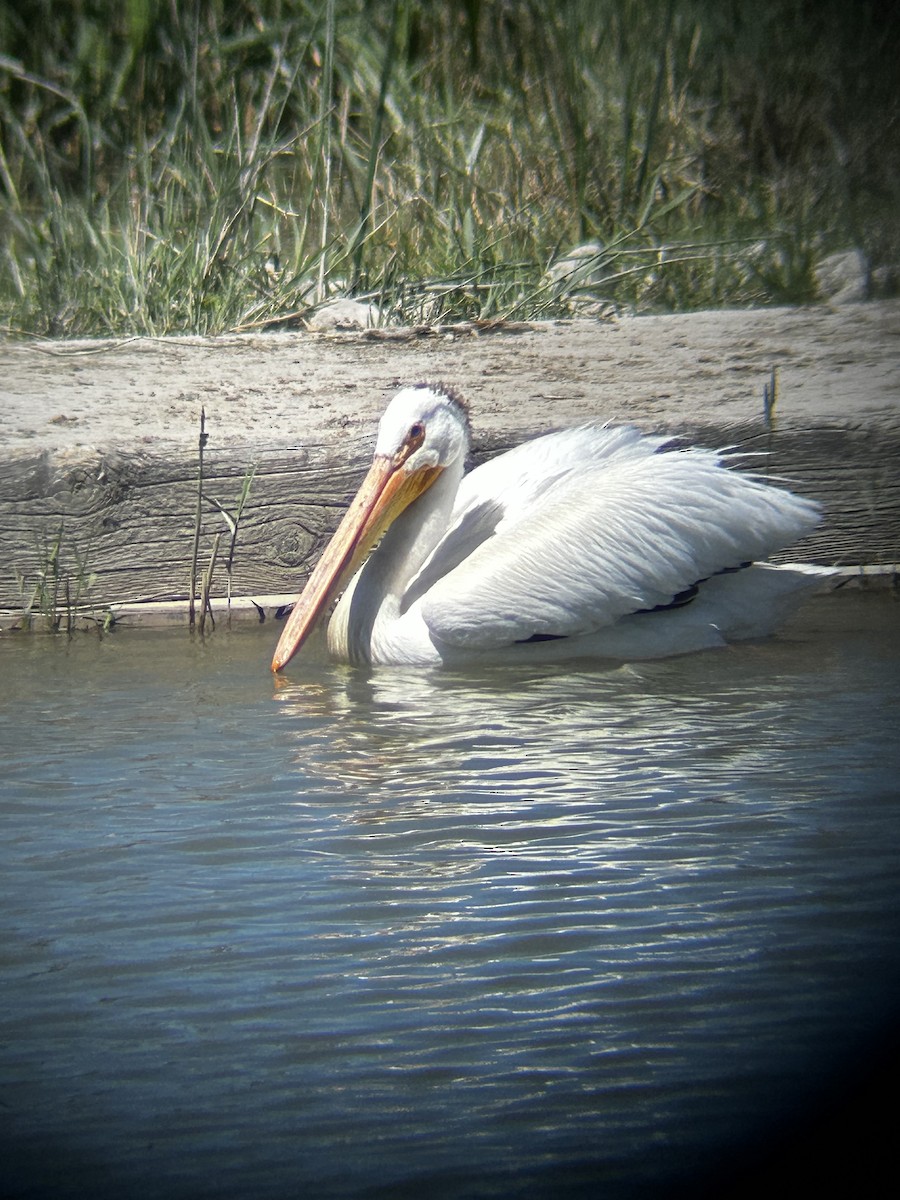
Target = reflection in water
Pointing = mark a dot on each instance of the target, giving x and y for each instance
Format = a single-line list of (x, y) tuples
[(617, 787), (399, 932), (632, 734)]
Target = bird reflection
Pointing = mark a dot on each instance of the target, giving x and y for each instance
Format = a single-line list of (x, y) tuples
[(406, 739)]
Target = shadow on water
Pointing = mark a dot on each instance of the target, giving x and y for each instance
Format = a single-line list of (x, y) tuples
[(506, 933)]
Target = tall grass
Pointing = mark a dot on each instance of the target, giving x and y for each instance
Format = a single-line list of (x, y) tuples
[(204, 166)]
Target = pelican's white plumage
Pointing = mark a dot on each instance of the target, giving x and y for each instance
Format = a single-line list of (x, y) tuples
[(555, 549)]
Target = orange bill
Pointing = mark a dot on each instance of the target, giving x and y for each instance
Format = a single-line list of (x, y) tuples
[(386, 491)]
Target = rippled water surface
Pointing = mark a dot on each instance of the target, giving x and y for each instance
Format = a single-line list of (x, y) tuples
[(404, 933)]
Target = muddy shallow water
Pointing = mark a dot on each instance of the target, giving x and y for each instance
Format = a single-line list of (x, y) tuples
[(404, 933)]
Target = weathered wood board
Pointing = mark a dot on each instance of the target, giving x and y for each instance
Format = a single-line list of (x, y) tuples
[(98, 441)]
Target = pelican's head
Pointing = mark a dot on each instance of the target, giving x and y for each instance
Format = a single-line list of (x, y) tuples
[(424, 430), (428, 424)]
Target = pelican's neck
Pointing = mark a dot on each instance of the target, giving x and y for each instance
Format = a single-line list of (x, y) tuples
[(373, 598)]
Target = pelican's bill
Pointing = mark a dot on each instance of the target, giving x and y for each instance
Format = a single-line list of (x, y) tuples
[(387, 490)]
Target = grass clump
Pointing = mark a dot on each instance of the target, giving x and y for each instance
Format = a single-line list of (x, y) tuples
[(59, 585), (171, 167)]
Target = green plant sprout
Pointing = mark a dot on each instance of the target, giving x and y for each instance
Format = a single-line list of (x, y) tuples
[(57, 592)]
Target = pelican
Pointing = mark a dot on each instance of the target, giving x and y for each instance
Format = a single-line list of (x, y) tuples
[(595, 541)]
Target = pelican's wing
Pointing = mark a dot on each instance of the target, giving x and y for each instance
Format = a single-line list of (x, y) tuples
[(566, 534)]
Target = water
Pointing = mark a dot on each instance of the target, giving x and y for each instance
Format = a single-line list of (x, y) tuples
[(402, 933)]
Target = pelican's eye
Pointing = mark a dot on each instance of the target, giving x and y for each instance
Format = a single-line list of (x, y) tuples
[(415, 436)]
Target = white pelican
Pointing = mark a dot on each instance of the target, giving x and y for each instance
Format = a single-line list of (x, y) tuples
[(594, 541)]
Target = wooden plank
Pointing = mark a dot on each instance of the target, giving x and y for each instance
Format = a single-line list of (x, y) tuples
[(128, 523)]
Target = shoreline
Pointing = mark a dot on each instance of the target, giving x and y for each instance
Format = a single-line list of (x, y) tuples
[(98, 440), (245, 611)]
